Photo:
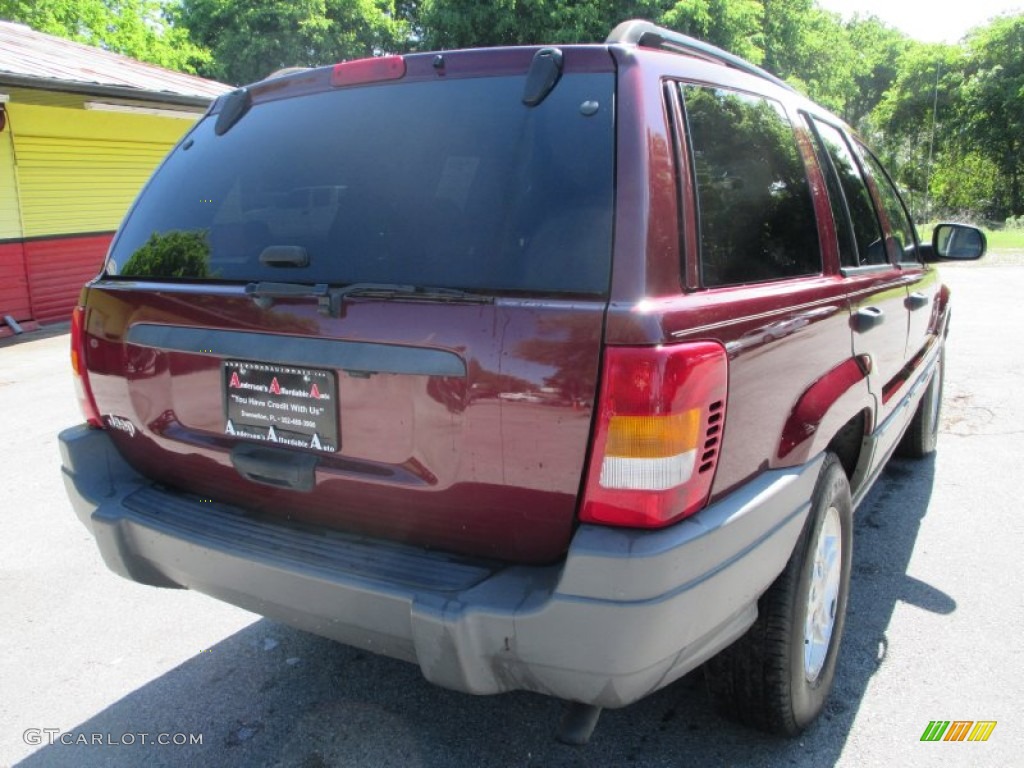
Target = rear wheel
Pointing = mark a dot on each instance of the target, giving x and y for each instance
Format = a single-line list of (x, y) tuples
[(778, 676), (923, 433)]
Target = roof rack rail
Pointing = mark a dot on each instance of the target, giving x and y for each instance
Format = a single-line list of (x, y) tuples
[(648, 35)]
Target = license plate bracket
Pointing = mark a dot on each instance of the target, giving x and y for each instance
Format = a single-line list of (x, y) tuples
[(285, 405)]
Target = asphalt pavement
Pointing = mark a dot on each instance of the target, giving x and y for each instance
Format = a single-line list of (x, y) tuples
[(98, 671)]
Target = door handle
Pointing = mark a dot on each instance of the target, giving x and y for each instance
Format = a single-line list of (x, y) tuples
[(275, 467), (916, 300), (867, 318)]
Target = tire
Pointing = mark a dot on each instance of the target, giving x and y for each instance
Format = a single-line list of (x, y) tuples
[(777, 677), (922, 435)]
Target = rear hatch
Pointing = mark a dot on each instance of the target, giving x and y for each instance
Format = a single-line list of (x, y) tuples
[(373, 306)]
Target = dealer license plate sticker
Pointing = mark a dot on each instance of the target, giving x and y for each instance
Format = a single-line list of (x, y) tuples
[(281, 404)]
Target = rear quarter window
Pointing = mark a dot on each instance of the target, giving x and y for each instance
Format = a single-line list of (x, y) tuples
[(756, 213)]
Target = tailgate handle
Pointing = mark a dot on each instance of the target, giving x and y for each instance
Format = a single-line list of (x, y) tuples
[(867, 318), (284, 256), (275, 467)]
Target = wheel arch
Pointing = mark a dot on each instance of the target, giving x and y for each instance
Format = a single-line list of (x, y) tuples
[(848, 442), (834, 413)]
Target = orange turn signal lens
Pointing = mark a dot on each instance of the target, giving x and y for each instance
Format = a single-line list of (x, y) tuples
[(652, 437)]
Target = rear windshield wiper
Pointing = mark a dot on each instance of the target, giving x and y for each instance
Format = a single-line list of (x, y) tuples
[(330, 299)]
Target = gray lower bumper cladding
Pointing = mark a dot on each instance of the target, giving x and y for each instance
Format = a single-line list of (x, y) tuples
[(626, 613)]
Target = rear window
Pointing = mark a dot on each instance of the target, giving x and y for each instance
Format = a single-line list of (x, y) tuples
[(444, 184)]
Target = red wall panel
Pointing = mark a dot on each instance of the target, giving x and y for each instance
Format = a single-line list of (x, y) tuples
[(13, 285), (57, 269)]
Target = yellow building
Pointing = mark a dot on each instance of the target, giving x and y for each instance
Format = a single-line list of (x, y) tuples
[(81, 130)]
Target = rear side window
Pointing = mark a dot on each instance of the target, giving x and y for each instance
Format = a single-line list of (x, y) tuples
[(756, 213), (902, 240), (855, 201), (451, 183)]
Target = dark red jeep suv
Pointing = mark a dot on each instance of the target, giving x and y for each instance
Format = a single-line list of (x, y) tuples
[(554, 369)]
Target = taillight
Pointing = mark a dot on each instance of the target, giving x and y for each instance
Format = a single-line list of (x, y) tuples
[(368, 71), (660, 418), (85, 399)]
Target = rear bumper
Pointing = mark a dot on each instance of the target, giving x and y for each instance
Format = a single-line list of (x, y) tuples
[(626, 613)]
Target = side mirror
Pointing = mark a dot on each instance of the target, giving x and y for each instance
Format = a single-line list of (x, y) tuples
[(958, 242)]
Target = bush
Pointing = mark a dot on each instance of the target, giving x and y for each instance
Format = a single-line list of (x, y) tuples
[(171, 254), (1015, 223)]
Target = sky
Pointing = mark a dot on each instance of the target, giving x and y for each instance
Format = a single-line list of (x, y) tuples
[(931, 21)]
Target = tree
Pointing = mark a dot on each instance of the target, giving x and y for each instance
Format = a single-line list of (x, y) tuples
[(783, 33), (917, 119), (171, 254), (137, 28), (734, 25), (249, 39), (470, 23), (876, 49), (966, 185), (810, 48), (993, 104), (953, 121), (731, 24)]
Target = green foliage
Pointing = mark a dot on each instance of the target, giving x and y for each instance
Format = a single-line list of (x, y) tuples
[(927, 83), (470, 23), (735, 25), (993, 111), (822, 60), (250, 39), (912, 124), (1015, 224), (140, 29), (807, 46), (876, 49), (952, 122), (966, 185), (172, 254)]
